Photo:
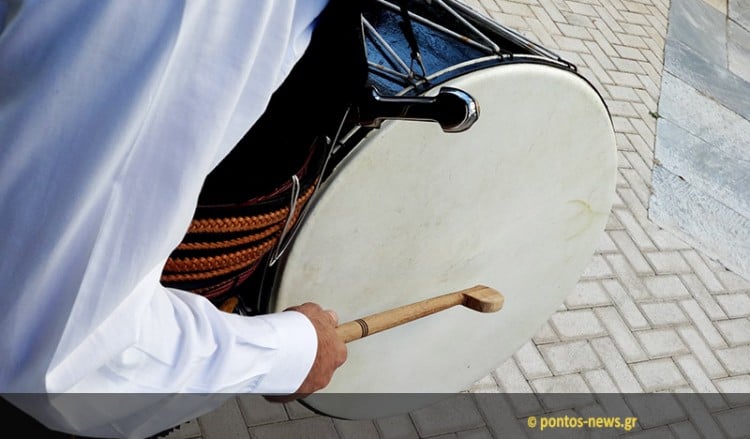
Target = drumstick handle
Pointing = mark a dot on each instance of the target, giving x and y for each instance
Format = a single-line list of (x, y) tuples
[(375, 323)]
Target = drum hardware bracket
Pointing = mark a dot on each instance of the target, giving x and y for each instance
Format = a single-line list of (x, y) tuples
[(454, 109)]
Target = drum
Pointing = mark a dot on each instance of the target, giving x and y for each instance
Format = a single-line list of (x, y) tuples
[(406, 211)]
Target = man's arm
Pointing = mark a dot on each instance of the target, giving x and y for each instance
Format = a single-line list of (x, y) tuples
[(111, 116)]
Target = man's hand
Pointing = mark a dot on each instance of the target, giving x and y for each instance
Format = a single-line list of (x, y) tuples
[(331, 351)]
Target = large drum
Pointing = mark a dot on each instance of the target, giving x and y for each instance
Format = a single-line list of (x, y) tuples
[(517, 202)]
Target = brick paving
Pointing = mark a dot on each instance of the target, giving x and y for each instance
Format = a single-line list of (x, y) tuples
[(650, 313)]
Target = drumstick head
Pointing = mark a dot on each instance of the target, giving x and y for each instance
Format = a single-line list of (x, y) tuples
[(483, 299)]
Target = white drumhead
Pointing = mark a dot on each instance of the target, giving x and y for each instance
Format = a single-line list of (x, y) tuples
[(518, 203)]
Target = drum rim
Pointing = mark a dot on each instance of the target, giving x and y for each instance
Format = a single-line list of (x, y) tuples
[(466, 67)]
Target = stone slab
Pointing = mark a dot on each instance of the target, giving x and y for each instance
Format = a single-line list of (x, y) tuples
[(396, 427), (318, 427), (700, 27), (712, 79), (655, 410), (453, 414), (364, 429), (700, 416), (499, 415), (738, 49), (704, 118), (658, 375), (711, 225), (735, 422), (739, 11), (226, 422), (705, 167), (259, 411), (719, 5)]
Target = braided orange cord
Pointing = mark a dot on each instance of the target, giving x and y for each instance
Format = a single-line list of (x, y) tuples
[(204, 268), (244, 223), (196, 276), (213, 291), (231, 242), (237, 224), (207, 263)]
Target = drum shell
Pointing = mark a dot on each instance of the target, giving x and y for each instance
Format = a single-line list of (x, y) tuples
[(517, 203)]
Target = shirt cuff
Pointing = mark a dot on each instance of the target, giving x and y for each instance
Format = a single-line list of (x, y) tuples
[(295, 354)]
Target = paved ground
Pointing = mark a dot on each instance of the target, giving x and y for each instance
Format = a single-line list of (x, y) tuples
[(650, 314)]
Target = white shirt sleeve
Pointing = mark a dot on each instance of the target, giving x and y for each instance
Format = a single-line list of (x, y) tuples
[(112, 113)]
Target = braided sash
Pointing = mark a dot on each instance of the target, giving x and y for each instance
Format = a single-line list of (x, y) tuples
[(226, 244)]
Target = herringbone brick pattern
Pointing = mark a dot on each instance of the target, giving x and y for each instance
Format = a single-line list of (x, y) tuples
[(650, 313)]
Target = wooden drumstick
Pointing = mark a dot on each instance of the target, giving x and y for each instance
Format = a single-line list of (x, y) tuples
[(479, 298)]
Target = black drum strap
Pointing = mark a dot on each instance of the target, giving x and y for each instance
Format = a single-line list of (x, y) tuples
[(411, 38)]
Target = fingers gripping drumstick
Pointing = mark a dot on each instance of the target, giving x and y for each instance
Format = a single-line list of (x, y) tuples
[(479, 298)]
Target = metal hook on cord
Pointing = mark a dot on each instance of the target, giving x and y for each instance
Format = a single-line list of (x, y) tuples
[(288, 232)]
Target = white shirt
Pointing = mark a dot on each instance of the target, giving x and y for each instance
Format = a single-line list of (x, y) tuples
[(111, 115)]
